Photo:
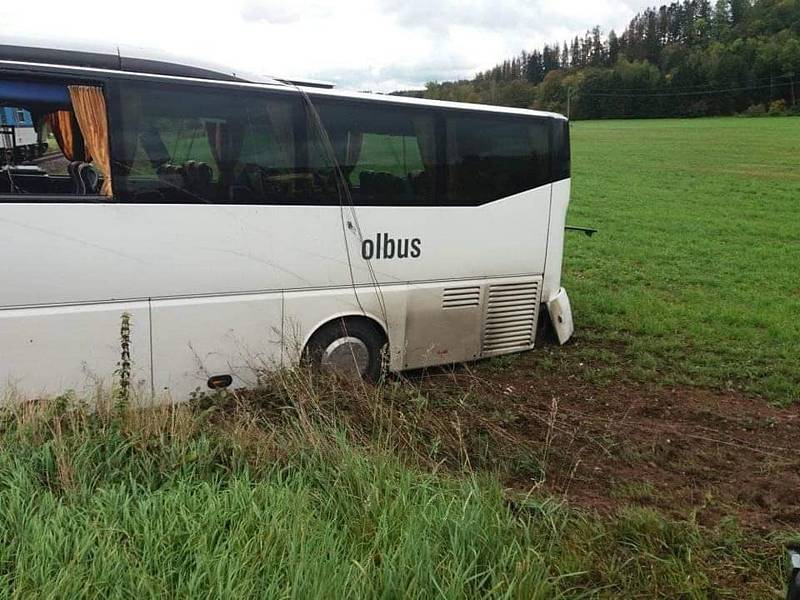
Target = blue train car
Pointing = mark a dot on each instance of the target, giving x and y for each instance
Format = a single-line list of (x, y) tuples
[(18, 137), (15, 117)]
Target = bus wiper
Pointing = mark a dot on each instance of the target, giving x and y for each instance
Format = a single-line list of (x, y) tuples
[(589, 231)]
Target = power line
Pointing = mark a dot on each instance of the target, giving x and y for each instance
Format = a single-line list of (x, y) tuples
[(706, 85), (696, 89), (673, 94)]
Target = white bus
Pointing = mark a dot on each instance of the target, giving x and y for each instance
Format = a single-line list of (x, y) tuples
[(244, 222)]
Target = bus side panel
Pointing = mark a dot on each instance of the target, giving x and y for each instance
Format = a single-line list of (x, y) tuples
[(80, 253), (49, 351), (214, 275), (502, 238), (461, 250), (198, 338)]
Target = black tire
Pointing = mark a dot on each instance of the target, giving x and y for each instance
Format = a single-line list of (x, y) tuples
[(368, 333), (545, 332)]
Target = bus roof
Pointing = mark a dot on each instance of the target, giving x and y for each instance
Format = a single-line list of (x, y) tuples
[(153, 63), (121, 58)]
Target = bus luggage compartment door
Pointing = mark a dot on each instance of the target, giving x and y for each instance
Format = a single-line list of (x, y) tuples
[(443, 324)]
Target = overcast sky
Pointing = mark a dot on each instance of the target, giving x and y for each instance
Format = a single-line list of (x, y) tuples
[(380, 45)]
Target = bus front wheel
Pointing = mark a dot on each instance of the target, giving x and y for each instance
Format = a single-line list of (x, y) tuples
[(350, 347)]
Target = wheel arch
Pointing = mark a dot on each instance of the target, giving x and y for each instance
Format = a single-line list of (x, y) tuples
[(365, 317)]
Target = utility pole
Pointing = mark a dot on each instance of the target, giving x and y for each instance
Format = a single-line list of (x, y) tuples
[(569, 101)]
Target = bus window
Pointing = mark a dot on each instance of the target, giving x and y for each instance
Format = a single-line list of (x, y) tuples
[(387, 154), (42, 147), (490, 158), (562, 165), (194, 145)]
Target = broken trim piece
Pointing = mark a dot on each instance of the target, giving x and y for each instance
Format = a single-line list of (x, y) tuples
[(560, 312)]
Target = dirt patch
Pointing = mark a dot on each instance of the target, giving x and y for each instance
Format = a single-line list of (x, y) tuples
[(681, 450)]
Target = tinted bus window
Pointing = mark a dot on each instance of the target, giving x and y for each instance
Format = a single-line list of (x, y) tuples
[(491, 157), (562, 161), (198, 145), (387, 153)]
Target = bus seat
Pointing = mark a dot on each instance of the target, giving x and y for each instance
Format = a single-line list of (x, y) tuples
[(72, 171), (171, 175), (256, 185), (190, 175), (379, 183), (89, 179), (420, 183), (205, 173), (198, 178)]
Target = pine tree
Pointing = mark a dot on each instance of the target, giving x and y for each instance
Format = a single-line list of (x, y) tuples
[(738, 10), (551, 58), (613, 48), (598, 51), (575, 54), (721, 19), (534, 71)]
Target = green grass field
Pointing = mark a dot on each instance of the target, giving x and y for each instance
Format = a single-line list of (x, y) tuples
[(694, 276)]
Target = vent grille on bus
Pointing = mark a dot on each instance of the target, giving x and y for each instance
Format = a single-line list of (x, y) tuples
[(511, 313), (462, 297)]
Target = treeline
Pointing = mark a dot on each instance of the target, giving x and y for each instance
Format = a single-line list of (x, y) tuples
[(688, 58)]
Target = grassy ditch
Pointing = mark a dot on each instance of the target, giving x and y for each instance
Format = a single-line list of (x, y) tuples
[(313, 488)]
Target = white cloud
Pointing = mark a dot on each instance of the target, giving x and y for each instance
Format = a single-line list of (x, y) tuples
[(365, 44), (281, 12)]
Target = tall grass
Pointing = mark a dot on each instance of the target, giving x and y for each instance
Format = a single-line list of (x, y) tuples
[(312, 488)]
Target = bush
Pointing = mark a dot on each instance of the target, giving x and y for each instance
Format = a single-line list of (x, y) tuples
[(755, 110), (701, 109), (777, 108)]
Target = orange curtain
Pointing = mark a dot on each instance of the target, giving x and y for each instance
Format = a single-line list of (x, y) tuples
[(60, 123), (90, 111)]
